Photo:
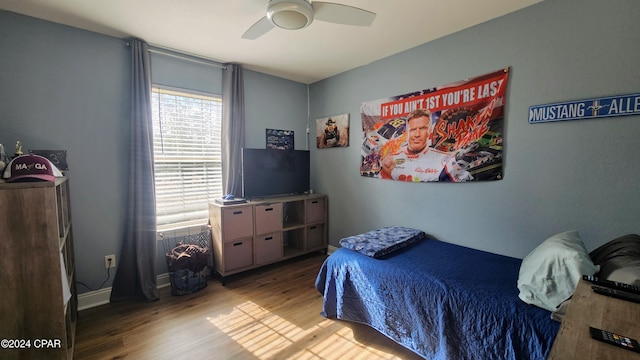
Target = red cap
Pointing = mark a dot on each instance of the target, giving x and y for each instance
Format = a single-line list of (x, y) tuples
[(31, 167)]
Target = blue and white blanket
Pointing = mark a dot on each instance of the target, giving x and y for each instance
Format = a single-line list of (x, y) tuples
[(383, 241)]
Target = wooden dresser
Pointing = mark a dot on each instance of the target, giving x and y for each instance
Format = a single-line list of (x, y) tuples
[(591, 309), (38, 306)]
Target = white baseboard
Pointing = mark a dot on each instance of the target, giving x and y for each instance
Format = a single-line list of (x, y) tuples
[(94, 298), (163, 280), (99, 297), (331, 249)]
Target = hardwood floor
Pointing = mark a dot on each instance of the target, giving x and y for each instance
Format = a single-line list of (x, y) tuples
[(268, 313)]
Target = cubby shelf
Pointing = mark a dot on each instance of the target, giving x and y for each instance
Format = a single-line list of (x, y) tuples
[(257, 233), (37, 269)]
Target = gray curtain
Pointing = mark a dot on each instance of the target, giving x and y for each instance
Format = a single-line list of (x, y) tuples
[(232, 128), (136, 274)]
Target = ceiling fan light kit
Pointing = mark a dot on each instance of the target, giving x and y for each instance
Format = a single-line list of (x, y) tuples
[(290, 14), (298, 14)]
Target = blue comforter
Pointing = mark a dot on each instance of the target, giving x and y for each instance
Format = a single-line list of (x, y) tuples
[(440, 300)]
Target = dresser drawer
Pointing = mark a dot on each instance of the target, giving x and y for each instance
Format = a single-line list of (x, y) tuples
[(238, 254), (237, 222), (315, 237), (315, 210), (268, 218), (268, 247)]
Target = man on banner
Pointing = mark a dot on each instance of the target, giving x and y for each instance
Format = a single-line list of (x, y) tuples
[(417, 162)]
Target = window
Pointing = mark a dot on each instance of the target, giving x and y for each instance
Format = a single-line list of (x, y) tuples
[(188, 159)]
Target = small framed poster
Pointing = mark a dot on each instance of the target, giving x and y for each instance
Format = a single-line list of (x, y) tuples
[(280, 139), (332, 131), (57, 157)]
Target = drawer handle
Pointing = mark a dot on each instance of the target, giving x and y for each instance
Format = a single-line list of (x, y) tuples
[(269, 238), (313, 228), (268, 209), (237, 244), (314, 201), (237, 212)]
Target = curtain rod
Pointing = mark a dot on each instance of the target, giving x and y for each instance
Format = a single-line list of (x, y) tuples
[(188, 57), (183, 56)]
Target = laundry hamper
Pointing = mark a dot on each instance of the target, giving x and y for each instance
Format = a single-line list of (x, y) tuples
[(188, 262)]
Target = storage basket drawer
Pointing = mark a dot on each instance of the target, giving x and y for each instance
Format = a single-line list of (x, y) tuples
[(268, 248), (315, 237), (236, 222), (268, 218), (238, 254), (315, 210)]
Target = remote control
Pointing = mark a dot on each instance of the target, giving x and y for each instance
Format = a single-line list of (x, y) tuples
[(612, 284), (616, 294), (615, 339)]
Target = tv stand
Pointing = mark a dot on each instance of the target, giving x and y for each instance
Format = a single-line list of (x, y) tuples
[(262, 232)]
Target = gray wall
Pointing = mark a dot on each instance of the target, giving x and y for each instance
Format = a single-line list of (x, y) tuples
[(274, 103), (64, 88), (559, 176), (61, 88)]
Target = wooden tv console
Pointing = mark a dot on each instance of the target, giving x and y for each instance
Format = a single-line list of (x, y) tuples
[(257, 233)]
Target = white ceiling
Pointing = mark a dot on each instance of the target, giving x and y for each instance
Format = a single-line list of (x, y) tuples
[(212, 29)]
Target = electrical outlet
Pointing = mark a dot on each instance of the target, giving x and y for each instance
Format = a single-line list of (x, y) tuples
[(109, 261)]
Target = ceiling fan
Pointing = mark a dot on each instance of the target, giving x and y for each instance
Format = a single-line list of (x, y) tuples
[(298, 14)]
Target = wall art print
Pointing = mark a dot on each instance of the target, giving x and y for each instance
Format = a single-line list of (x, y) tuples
[(280, 139), (332, 131), (449, 133)]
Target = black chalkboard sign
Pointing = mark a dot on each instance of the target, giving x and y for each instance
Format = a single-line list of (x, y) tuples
[(57, 157)]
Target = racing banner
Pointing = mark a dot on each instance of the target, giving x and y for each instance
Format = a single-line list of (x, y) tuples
[(450, 133)]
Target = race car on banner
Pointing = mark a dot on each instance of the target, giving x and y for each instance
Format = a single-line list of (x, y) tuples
[(451, 133)]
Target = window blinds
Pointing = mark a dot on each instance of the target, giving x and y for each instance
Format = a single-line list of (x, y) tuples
[(187, 151)]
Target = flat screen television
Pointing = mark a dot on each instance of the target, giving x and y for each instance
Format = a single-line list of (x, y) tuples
[(271, 172)]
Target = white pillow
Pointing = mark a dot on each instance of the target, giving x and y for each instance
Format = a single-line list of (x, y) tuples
[(550, 273)]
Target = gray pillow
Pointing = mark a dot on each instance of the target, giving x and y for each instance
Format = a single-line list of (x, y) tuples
[(549, 274), (619, 259)]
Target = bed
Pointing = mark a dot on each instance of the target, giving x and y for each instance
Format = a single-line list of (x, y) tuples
[(440, 300)]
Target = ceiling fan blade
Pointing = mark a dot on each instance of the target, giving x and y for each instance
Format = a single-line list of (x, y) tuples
[(341, 14), (258, 29)]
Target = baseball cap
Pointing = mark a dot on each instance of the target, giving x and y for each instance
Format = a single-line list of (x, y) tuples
[(31, 167)]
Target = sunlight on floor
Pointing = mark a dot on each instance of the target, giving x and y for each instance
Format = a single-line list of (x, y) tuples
[(266, 335)]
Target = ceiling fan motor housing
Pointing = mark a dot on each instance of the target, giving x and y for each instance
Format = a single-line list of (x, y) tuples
[(290, 14)]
